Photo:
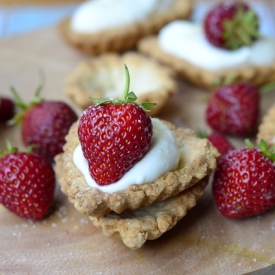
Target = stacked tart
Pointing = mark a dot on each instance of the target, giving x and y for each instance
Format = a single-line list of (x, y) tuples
[(133, 175)]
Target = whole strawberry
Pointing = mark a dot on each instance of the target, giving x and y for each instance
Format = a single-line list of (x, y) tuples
[(7, 109), (27, 183), (114, 136), (231, 25), (44, 124), (234, 109), (244, 182), (220, 142)]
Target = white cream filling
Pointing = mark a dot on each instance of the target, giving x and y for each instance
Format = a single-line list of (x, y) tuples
[(186, 40), (98, 15), (162, 157)]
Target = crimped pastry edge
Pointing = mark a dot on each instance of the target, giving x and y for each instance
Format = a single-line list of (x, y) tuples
[(197, 160), (266, 130), (126, 37), (88, 70), (135, 227), (257, 75)]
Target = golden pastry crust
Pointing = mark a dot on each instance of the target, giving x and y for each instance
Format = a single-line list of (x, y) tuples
[(104, 76), (267, 127), (134, 227), (257, 75), (197, 160), (126, 37)]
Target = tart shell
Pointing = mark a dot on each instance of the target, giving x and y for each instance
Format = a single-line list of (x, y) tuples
[(197, 160), (122, 38), (100, 76)]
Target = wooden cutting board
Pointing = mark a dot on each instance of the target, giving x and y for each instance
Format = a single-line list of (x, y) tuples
[(203, 242)]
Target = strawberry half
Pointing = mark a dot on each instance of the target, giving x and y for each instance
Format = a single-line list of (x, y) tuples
[(27, 183), (233, 109), (44, 124), (115, 135), (244, 182), (231, 25)]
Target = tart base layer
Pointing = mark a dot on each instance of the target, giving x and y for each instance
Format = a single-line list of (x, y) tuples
[(134, 227), (197, 160), (257, 75), (267, 127), (103, 77), (124, 38)]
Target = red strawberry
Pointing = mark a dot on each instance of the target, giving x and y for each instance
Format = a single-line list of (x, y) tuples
[(6, 109), (45, 124), (231, 25), (220, 142), (27, 183), (234, 109), (114, 136), (244, 182)]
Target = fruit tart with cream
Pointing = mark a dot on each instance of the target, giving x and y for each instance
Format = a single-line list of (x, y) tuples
[(227, 45), (99, 26), (133, 175)]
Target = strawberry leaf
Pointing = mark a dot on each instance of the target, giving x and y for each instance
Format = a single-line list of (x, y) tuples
[(131, 97)]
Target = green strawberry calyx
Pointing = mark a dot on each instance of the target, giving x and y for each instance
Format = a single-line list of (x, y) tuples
[(268, 152), (11, 149), (127, 97), (22, 106), (242, 29)]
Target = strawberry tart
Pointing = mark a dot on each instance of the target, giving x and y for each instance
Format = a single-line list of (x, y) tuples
[(205, 60), (99, 26)]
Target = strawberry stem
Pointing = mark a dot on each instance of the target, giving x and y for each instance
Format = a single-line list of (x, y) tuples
[(127, 84)]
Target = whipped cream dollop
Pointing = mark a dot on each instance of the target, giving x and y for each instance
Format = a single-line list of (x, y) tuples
[(162, 157), (98, 15), (186, 40)]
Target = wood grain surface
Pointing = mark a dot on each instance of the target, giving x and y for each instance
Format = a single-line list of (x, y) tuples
[(67, 243)]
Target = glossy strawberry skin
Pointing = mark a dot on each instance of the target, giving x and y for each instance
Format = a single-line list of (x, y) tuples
[(27, 184), (220, 142), (234, 109), (113, 139), (45, 125), (214, 20), (7, 109), (244, 183)]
